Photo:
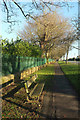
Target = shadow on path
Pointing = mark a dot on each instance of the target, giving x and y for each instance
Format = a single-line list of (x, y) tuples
[(62, 101)]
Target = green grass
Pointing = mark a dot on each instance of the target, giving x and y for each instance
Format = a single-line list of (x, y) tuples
[(15, 107), (46, 75), (72, 72)]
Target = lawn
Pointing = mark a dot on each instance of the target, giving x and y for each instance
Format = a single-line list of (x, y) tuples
[(13, 102), (46, 75), (72, 71)]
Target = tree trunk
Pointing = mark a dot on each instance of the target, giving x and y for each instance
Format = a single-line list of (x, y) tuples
[(17, 75), (67, 56), (46, 56)]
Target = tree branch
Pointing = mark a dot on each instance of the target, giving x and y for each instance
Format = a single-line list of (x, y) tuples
[(7, 10), (25, 15), (75, 47)]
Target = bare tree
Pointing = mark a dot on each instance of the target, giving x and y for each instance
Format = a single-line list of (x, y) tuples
[(57, 52), (14, 8), (10, 8), (48, 30), (68, 44), (61, 49)]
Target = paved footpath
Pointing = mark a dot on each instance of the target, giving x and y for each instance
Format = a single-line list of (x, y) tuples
[(62, 102)]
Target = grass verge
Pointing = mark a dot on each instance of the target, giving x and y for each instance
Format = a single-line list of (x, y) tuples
[(46, 75), (14, 105), (72, 71)]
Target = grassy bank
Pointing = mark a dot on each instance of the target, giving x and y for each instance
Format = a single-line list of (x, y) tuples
[(14, 105), (46, 75), (72, 72)]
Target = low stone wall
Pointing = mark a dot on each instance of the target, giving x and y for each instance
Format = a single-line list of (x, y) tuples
[(21, 75)]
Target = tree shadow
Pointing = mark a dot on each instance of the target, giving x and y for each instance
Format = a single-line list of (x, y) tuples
[(67, 92), (60, 86), (11, 101), (13, 91), (28, 108), (53, 84), (6, 83)]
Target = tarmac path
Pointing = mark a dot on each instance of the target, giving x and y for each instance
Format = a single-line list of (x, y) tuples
[(62, 101)]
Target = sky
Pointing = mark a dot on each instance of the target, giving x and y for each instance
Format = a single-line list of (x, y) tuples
[(6, 33), (71, 13)]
